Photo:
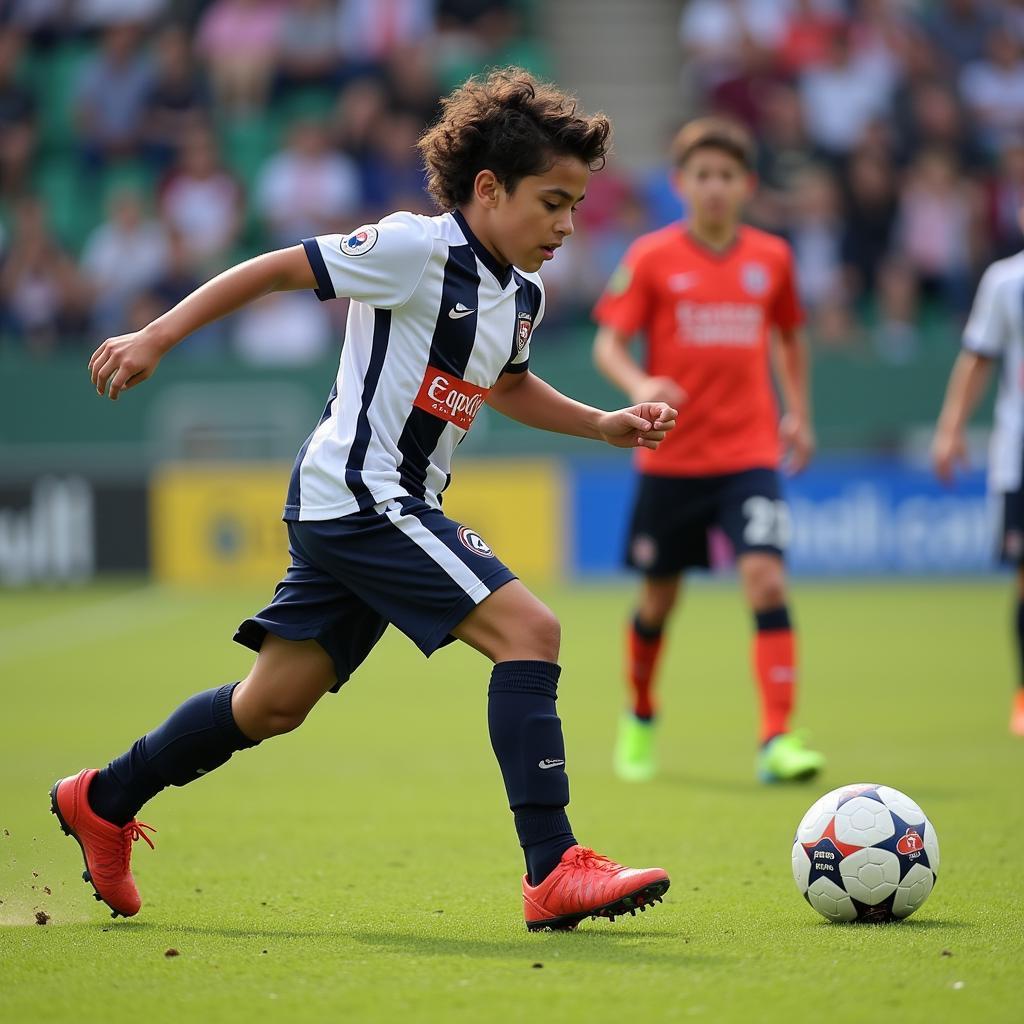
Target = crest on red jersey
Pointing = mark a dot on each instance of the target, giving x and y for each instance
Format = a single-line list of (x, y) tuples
[(754, 278)]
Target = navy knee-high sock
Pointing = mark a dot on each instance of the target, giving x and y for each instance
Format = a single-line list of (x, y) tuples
[(199, 736), (526, 736)]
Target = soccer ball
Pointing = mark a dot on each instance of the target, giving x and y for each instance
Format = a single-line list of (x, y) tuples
[(865, 853)]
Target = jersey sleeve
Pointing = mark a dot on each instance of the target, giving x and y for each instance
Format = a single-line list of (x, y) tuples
[(786, 312), (985, 332), (625, 304), (379, 264)]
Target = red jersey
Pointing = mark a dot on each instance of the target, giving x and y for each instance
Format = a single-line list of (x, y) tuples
[(706, 317)]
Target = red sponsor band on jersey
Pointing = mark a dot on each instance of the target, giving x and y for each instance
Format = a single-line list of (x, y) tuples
[(450, 398)]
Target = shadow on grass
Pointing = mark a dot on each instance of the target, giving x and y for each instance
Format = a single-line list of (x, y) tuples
[(591, 945)]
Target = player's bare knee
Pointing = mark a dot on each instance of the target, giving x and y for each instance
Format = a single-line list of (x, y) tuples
[(540, 633), (276, 721), (768, 592)]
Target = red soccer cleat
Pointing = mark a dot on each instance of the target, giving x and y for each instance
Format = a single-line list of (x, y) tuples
[(106, 847), (585, 884)]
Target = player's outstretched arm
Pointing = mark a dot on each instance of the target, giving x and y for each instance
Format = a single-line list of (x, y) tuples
[(967, 384), (527, 399), (129, 359)]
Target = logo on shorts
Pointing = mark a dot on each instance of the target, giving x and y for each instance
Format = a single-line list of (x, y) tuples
[(1013, 544), (910, 842), (472, 540), (754, 277), (524, 325), (450, 398), (644, 551), (360, 242)]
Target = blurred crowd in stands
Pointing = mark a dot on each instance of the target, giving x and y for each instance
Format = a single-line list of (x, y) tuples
[(147, 144)]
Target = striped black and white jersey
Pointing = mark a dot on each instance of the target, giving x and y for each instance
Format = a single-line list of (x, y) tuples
[(996, 329), (434, 321)]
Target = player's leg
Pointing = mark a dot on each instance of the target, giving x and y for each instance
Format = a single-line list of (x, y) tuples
[(1017, 711), (668, 533), (565, 882), (756, 520), (291, 673)]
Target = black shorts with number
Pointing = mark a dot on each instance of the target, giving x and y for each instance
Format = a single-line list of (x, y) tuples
[(1011, 531), (672, 517)]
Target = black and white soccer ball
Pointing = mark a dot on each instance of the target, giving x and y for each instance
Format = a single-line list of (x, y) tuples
[(865, 853)]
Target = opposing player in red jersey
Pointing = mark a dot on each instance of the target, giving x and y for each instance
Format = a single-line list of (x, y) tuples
[(707, 295)]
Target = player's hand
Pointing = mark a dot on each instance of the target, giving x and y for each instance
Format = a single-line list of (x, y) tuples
[(640, 426), (949, 449), (798, 442), (122, 362), (659, 389)]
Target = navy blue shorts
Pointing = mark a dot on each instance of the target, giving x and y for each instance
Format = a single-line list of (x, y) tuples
[(401, 561), (1011, 529), (672, 517)]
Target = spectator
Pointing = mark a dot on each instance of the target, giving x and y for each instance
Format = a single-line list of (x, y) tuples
[(307, 189), (238, 39), (993, 89), (960, 28), (784, 152), (44, 299), (840, 99), (110, 96), (804, 42), (393, 174), (283, 329), (203, 201), (816, 235), (122, 257), (308, 51), (871, 209), (930, 116), (713, 34), (370, 32), (1006, 198), (178, 98), (936, 244), (361, 106), (17, 117), (101, 14)]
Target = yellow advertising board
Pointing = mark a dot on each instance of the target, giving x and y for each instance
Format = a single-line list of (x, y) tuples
[(221, 523)]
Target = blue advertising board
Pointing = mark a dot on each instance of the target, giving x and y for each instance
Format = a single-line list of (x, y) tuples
[(864, 516)]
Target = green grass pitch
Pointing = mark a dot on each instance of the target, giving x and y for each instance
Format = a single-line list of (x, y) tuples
[(365, 867)]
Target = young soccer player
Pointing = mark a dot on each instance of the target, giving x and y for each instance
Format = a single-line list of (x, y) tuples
[(995, 330), (442, 313), (706, 294)]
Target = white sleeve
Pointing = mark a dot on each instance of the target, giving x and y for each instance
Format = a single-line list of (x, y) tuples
[(379, 264), (986, 332)]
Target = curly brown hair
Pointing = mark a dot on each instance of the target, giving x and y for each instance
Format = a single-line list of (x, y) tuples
[(508, 123)]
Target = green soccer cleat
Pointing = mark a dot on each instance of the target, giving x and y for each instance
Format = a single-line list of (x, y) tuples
[(785, 758), (634, 749)]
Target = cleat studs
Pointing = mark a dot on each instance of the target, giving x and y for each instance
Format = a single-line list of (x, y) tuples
[(86, 877), (632, 913), (97, 897)]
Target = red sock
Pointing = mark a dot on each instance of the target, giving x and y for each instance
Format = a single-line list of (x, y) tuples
[(644, 646), (775, 666)]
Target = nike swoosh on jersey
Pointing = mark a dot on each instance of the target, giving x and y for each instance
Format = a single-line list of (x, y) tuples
[(458, 311)]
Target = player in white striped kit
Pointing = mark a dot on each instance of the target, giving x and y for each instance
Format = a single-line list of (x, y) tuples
[(994, 331), (442, 313)]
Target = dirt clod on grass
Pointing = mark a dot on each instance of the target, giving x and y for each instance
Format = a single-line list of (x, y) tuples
[(172, 952), (42, 917)]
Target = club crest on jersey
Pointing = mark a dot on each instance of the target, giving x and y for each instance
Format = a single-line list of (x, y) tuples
[(450, 398), (524, 325), (910, 843), (360, 242), (472, 540), (754, 277)]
